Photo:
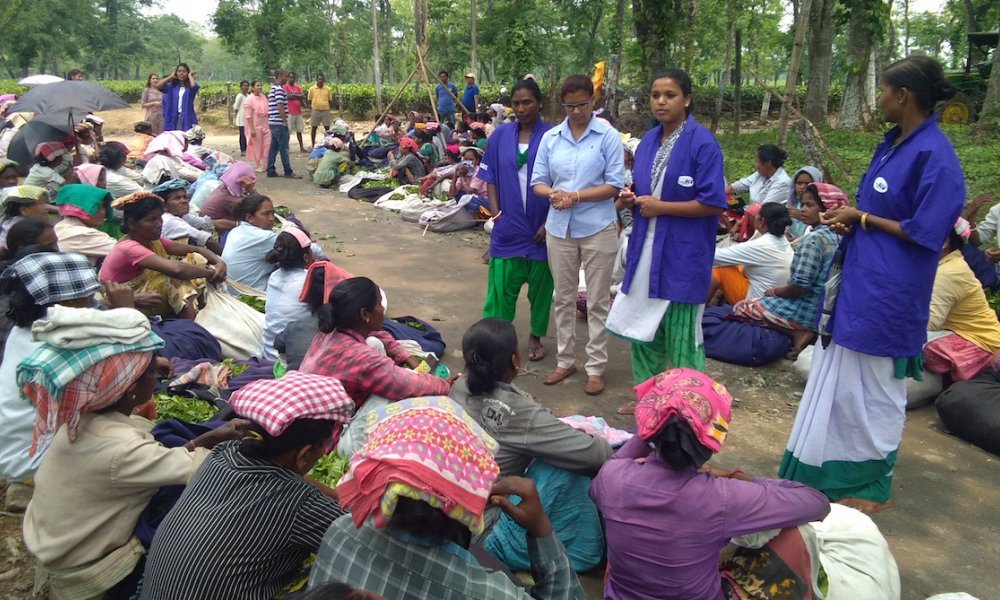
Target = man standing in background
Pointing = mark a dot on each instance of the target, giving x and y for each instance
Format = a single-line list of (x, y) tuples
[(470, 97), (319, 102), (277, 122), (295, 97), (445, 101)]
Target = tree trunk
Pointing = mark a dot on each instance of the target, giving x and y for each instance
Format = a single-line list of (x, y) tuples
[(376, 61), (973, 16), (855, 107), (738, 81), (793, 69), (472, 34), (723, 81), (614, 73), (906, 27), (820, 61), (689, 34), (593, 34)]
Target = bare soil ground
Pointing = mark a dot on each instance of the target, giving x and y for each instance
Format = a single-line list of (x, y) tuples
[(943, 529)]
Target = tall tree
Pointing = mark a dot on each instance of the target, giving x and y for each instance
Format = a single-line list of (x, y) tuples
[(866, 25), (989, 115), (820, 51)]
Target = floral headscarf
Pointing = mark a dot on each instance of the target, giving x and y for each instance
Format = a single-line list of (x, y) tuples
[(425, 449)]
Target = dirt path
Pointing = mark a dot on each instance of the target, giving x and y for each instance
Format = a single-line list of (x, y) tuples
[(943, 529)]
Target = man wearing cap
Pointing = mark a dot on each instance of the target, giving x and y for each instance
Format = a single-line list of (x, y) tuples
[(445, 101), (470, 97)]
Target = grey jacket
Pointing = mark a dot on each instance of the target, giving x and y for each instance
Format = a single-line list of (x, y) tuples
[(526, 430)]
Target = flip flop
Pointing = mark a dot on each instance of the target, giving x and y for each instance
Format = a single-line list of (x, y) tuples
[(536, 353), (793, 353)]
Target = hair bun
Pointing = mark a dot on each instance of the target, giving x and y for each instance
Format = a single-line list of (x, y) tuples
[(943, 90)]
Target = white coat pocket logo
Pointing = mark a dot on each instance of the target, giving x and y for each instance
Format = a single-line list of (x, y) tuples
[(880, 185), (685, 181)]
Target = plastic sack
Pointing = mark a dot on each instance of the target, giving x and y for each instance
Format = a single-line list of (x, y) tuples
[(238, 327)]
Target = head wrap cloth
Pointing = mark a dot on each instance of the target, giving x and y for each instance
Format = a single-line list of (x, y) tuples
[(426, 449)]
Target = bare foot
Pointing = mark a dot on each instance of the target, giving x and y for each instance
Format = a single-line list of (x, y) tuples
[(868, 507)]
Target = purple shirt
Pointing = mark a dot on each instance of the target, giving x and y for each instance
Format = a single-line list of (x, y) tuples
[(665, 527), (683, 248), (885, 294), (187, 117), (513, 232)]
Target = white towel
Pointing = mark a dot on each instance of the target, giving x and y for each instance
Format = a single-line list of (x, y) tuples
[(74, 328)]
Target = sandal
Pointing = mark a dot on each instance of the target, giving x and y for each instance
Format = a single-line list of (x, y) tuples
[(868, 507), (536, 353)]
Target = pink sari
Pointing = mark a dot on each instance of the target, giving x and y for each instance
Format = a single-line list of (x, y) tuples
[(257, 132)]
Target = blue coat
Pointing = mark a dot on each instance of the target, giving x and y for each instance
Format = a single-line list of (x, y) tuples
[(683, 248), (513, 233), (884, 301), (187, 117)]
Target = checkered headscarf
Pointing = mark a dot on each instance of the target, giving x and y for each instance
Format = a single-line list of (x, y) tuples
[(274, 404), (52, 277)]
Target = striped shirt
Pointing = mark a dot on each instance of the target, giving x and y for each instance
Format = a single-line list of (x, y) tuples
[(240, 531), (275, 97)]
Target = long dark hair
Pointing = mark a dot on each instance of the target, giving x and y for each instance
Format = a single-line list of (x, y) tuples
[(347, 300), (248, 206), (488, 347), (287, 252), (775, 215)]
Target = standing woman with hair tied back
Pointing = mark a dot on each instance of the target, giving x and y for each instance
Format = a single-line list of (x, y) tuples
[(152, 101), (873, 324), (769, 182), (677, 200), (179, 90), (580, 168)]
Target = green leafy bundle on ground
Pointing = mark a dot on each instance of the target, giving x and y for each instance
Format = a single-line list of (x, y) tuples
[(375, 183), (330, 468), (185, 408)]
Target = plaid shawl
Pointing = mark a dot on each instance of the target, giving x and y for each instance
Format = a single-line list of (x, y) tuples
[(52, 277), (63, 384)]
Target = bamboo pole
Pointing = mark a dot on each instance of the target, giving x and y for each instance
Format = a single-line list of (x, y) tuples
[(396, 97)]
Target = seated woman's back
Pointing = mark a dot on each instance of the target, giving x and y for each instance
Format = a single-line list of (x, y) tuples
[(666, 517)]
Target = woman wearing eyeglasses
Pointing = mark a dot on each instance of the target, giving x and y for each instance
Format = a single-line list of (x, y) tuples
[(679, 195), (580, 168)]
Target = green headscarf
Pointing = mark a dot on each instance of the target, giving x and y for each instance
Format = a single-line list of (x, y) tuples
[(82, 201)]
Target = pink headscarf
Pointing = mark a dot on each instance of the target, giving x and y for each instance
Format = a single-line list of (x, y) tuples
[(232, 178), (88, 173), (407, 142), (830, 195), (693, 397), (747, 225), (171, 142), (332, 275)]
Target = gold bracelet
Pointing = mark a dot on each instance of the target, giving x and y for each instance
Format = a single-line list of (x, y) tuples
[(864, 221), (578, 197)]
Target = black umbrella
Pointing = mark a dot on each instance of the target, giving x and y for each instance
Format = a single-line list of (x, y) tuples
[(78, 97), (43, 128)]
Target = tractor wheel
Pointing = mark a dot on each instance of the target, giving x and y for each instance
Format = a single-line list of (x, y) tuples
[(958, 111)]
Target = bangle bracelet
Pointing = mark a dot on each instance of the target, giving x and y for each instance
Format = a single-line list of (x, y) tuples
[(864, 221), (577, 197)]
